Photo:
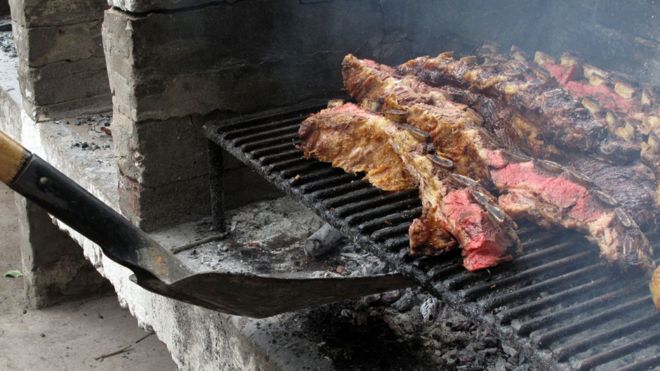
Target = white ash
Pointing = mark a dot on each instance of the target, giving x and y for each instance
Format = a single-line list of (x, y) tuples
[(268, 237), (7, 45)]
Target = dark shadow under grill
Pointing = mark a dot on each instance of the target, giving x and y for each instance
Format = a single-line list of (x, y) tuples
[(559, 304)]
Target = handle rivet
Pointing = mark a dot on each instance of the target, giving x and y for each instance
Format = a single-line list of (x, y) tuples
[(43, 181)]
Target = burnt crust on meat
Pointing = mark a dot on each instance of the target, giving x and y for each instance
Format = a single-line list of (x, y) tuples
[(451, 204), (531, 92)]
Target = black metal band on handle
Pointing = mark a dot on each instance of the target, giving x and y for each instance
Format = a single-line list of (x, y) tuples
[(120, 240)]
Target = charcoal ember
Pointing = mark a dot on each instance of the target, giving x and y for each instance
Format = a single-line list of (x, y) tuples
[(371, 299), (391, 296), (509, 350), (450, 357), (379, 267), (488, 352), (400, 323), (500, 365), (490, 342), (467, 356), (429, 309), (405, 303)]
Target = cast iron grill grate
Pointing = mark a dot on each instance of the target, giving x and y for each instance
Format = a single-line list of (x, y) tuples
[(559, 304)]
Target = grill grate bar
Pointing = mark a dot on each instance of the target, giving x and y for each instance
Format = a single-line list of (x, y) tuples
[(325, 183), (380, 211), (261, 135), (264, 143), (397, 243), (553, 283), (313, 176), (552, 336), (387, 198), (566, 351), (298, 171), (646, 364), (400, 229), (591, 304), (351, 193), (277, 149), (388, 220), (507, 315), (623, 350), (285, 155), (464, 278), (284, 164), (260, 129), (557, 266)]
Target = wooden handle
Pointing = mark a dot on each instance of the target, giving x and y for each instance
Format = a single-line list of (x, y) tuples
[(12, 158)]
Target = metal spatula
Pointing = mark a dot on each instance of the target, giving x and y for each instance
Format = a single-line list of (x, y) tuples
[(156, 268)]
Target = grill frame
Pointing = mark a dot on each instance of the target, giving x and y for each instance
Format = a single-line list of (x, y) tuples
[(340, 199)]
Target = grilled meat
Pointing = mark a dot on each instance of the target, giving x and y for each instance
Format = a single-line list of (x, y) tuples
[(631, 113), (550, 110), (451, 203), (651, 156), (355, 148), (655, 287), (540, 190), (632, 185)]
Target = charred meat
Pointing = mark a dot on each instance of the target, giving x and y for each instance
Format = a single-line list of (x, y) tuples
[(548, 108), (631, 112), (451, 203)]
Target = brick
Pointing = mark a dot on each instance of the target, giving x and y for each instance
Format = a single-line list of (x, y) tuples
[(167, 205), (39, 13), (54, 266), (38, 46)]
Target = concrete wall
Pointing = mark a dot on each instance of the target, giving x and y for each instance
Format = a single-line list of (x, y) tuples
[(61, 65)]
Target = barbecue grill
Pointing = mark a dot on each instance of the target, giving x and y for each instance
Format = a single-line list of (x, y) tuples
[(559, 303)]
